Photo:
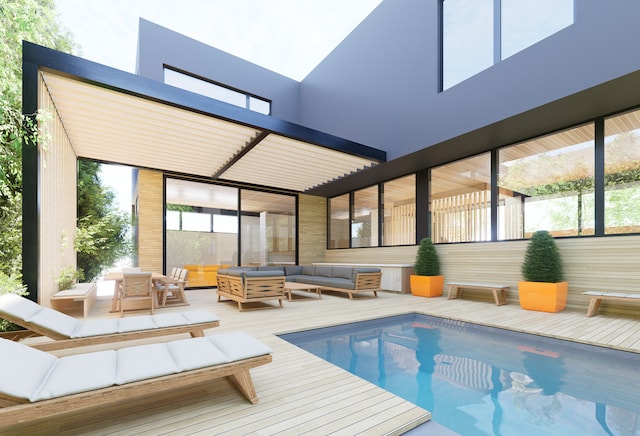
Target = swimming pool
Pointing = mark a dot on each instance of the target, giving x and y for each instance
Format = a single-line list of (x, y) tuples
[(479, 380)]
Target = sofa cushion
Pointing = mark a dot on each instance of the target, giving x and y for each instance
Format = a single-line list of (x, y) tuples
[(298, 278), (308, 270), (293, 270), (332, 283), (342, 272), (322, 271), (271, 268), (276, 273)]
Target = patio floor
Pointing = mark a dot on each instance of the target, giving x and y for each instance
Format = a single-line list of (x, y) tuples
[(302, 394)]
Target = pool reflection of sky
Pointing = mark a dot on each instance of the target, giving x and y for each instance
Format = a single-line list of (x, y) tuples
[(479, 380)]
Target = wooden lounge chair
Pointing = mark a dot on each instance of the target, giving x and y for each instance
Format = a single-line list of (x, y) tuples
[(35, 384), (71, 332)]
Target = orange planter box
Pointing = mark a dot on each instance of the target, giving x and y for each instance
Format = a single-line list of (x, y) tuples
[(543, 297), (426, 286)]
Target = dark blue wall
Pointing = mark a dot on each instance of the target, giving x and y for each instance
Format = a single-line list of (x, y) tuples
[(379, 87), (158, 46)]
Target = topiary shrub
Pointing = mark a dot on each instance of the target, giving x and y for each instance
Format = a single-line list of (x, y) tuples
[(427, 262), (542, 262)]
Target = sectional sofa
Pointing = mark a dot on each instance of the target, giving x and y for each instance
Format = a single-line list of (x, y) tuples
[(251, 284)]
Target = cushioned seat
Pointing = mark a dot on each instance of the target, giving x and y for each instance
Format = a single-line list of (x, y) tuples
[(37, 383), (68, 331)]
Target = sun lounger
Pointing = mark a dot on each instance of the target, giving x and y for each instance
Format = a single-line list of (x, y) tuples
[(68, 331), (35, 384)]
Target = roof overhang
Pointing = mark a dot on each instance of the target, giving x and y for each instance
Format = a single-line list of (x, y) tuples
[(603, 99), (114, 116)]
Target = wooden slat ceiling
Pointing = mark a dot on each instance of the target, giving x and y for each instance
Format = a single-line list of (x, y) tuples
[(112, 126)]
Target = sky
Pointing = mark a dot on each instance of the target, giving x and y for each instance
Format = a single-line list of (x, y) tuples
[(287, 36)]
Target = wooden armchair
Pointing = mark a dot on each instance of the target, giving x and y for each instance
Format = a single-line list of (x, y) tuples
[(173, 285), (136, 287)]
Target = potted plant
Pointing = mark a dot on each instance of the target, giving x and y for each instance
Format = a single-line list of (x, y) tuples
[(427, 281), (68, 278), (543, 288)]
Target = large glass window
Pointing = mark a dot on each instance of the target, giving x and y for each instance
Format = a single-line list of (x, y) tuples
[(219, 92), (467, 39), (339, 222), (364, 226), (478, 33), (461, 200), (268, 228), (193, 240), (547, 184), (526, 22), (399, 223), (202, 228), (622, 173)]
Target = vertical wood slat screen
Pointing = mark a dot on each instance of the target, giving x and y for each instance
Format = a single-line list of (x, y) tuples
[(462, 218), (58, 190), (400, 226)]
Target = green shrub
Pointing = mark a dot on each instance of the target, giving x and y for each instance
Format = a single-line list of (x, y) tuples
[(427, 262), (542, 262), (10, 285), (68, 278)]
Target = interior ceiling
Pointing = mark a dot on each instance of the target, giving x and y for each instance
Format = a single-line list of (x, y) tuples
[(112, 126)]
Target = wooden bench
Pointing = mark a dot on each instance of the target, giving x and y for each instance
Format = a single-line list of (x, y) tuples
[(83, 292), (499, 295), (597, 297)]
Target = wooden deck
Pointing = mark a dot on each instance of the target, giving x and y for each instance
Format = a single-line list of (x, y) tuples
[(302, 394)]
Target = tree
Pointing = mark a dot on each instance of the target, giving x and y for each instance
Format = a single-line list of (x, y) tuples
[(32, 20), (102, 236)]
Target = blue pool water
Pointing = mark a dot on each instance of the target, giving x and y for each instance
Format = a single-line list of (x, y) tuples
[(478, 380)]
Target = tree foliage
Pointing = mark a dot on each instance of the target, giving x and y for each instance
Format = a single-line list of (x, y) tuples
[(34, 21), (102, 236)]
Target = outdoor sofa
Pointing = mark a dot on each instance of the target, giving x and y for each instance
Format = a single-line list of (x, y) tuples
[(349, 280), (35, 384)]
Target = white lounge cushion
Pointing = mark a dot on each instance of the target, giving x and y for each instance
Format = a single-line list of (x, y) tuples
[(66, 325), (196, 353), (199, 316), (35, 375), (97, 327), (169, 319), (57, 321), (135, 323), (239, 345), (23, 369), (79, 373), (143, 362), (18, 306)]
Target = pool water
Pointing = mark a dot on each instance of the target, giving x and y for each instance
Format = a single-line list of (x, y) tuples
[(478, 380)]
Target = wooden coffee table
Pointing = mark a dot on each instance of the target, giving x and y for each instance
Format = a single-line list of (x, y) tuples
[(293, 286)]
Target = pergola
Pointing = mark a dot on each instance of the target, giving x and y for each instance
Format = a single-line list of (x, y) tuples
[(99, 113)]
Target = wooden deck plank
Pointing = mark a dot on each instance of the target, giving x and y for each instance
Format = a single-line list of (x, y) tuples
[(298, 391)]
